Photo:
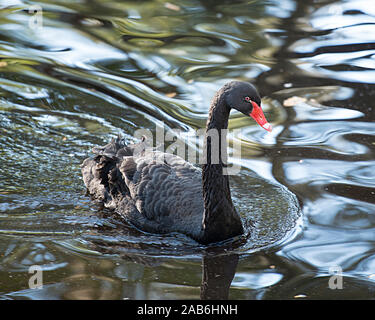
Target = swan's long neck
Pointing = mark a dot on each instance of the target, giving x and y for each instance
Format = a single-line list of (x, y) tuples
[(220, 219)]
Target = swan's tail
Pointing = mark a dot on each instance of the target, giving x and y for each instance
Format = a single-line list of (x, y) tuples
[(101, 174)]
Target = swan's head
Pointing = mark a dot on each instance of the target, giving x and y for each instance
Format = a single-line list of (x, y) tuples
[(243, 97)]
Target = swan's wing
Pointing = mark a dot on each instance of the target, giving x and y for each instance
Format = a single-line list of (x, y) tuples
[(166, 190)]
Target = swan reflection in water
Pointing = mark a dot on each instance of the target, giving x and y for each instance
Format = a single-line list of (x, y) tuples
[(217, 275)]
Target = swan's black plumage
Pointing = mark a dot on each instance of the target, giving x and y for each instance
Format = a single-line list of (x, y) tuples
[(161, 193)]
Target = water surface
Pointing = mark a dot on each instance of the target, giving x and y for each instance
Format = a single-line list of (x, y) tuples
[(91, 70)]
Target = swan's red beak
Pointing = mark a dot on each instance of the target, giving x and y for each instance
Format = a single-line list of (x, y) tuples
[(258, 116)]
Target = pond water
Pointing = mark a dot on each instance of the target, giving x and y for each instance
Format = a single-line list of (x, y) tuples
[(74, 74)]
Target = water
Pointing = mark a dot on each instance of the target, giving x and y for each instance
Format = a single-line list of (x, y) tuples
[(91, 70)]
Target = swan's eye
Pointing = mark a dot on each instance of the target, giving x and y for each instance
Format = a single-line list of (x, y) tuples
[(247, 99)]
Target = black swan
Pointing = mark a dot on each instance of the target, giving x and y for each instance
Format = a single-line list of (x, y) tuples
[(162, 193)]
